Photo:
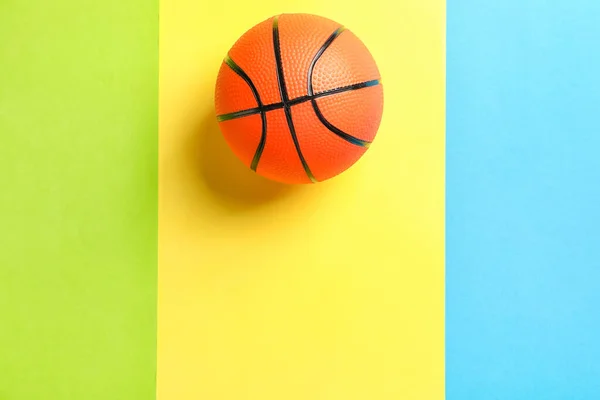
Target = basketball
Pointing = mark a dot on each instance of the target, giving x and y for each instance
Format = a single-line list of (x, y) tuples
[(299, 98)]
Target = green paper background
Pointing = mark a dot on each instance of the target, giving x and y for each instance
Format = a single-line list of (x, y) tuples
[(78, 199)]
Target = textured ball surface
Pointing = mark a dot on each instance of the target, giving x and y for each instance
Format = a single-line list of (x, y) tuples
[(299, 98)]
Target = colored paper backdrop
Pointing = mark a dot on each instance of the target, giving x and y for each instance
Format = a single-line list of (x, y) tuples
[(328, 291), (523, 196), (78, 199)]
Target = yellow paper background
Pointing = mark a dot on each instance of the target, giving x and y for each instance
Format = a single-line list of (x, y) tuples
[(327, 291)]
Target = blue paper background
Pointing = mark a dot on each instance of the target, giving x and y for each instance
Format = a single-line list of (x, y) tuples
[(523, 200)]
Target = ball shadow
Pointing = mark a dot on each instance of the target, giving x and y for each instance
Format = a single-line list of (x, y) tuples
[(232, 185)]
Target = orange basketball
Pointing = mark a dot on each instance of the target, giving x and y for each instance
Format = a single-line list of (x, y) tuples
[(299, 98)]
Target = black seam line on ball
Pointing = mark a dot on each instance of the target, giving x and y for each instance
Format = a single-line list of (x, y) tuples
[(284, 99), (356, 86), (261, 143), (236, 68), (327, 43), (239, 114), (297, 100), (263, 135), (279, 64), (346, 136)]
